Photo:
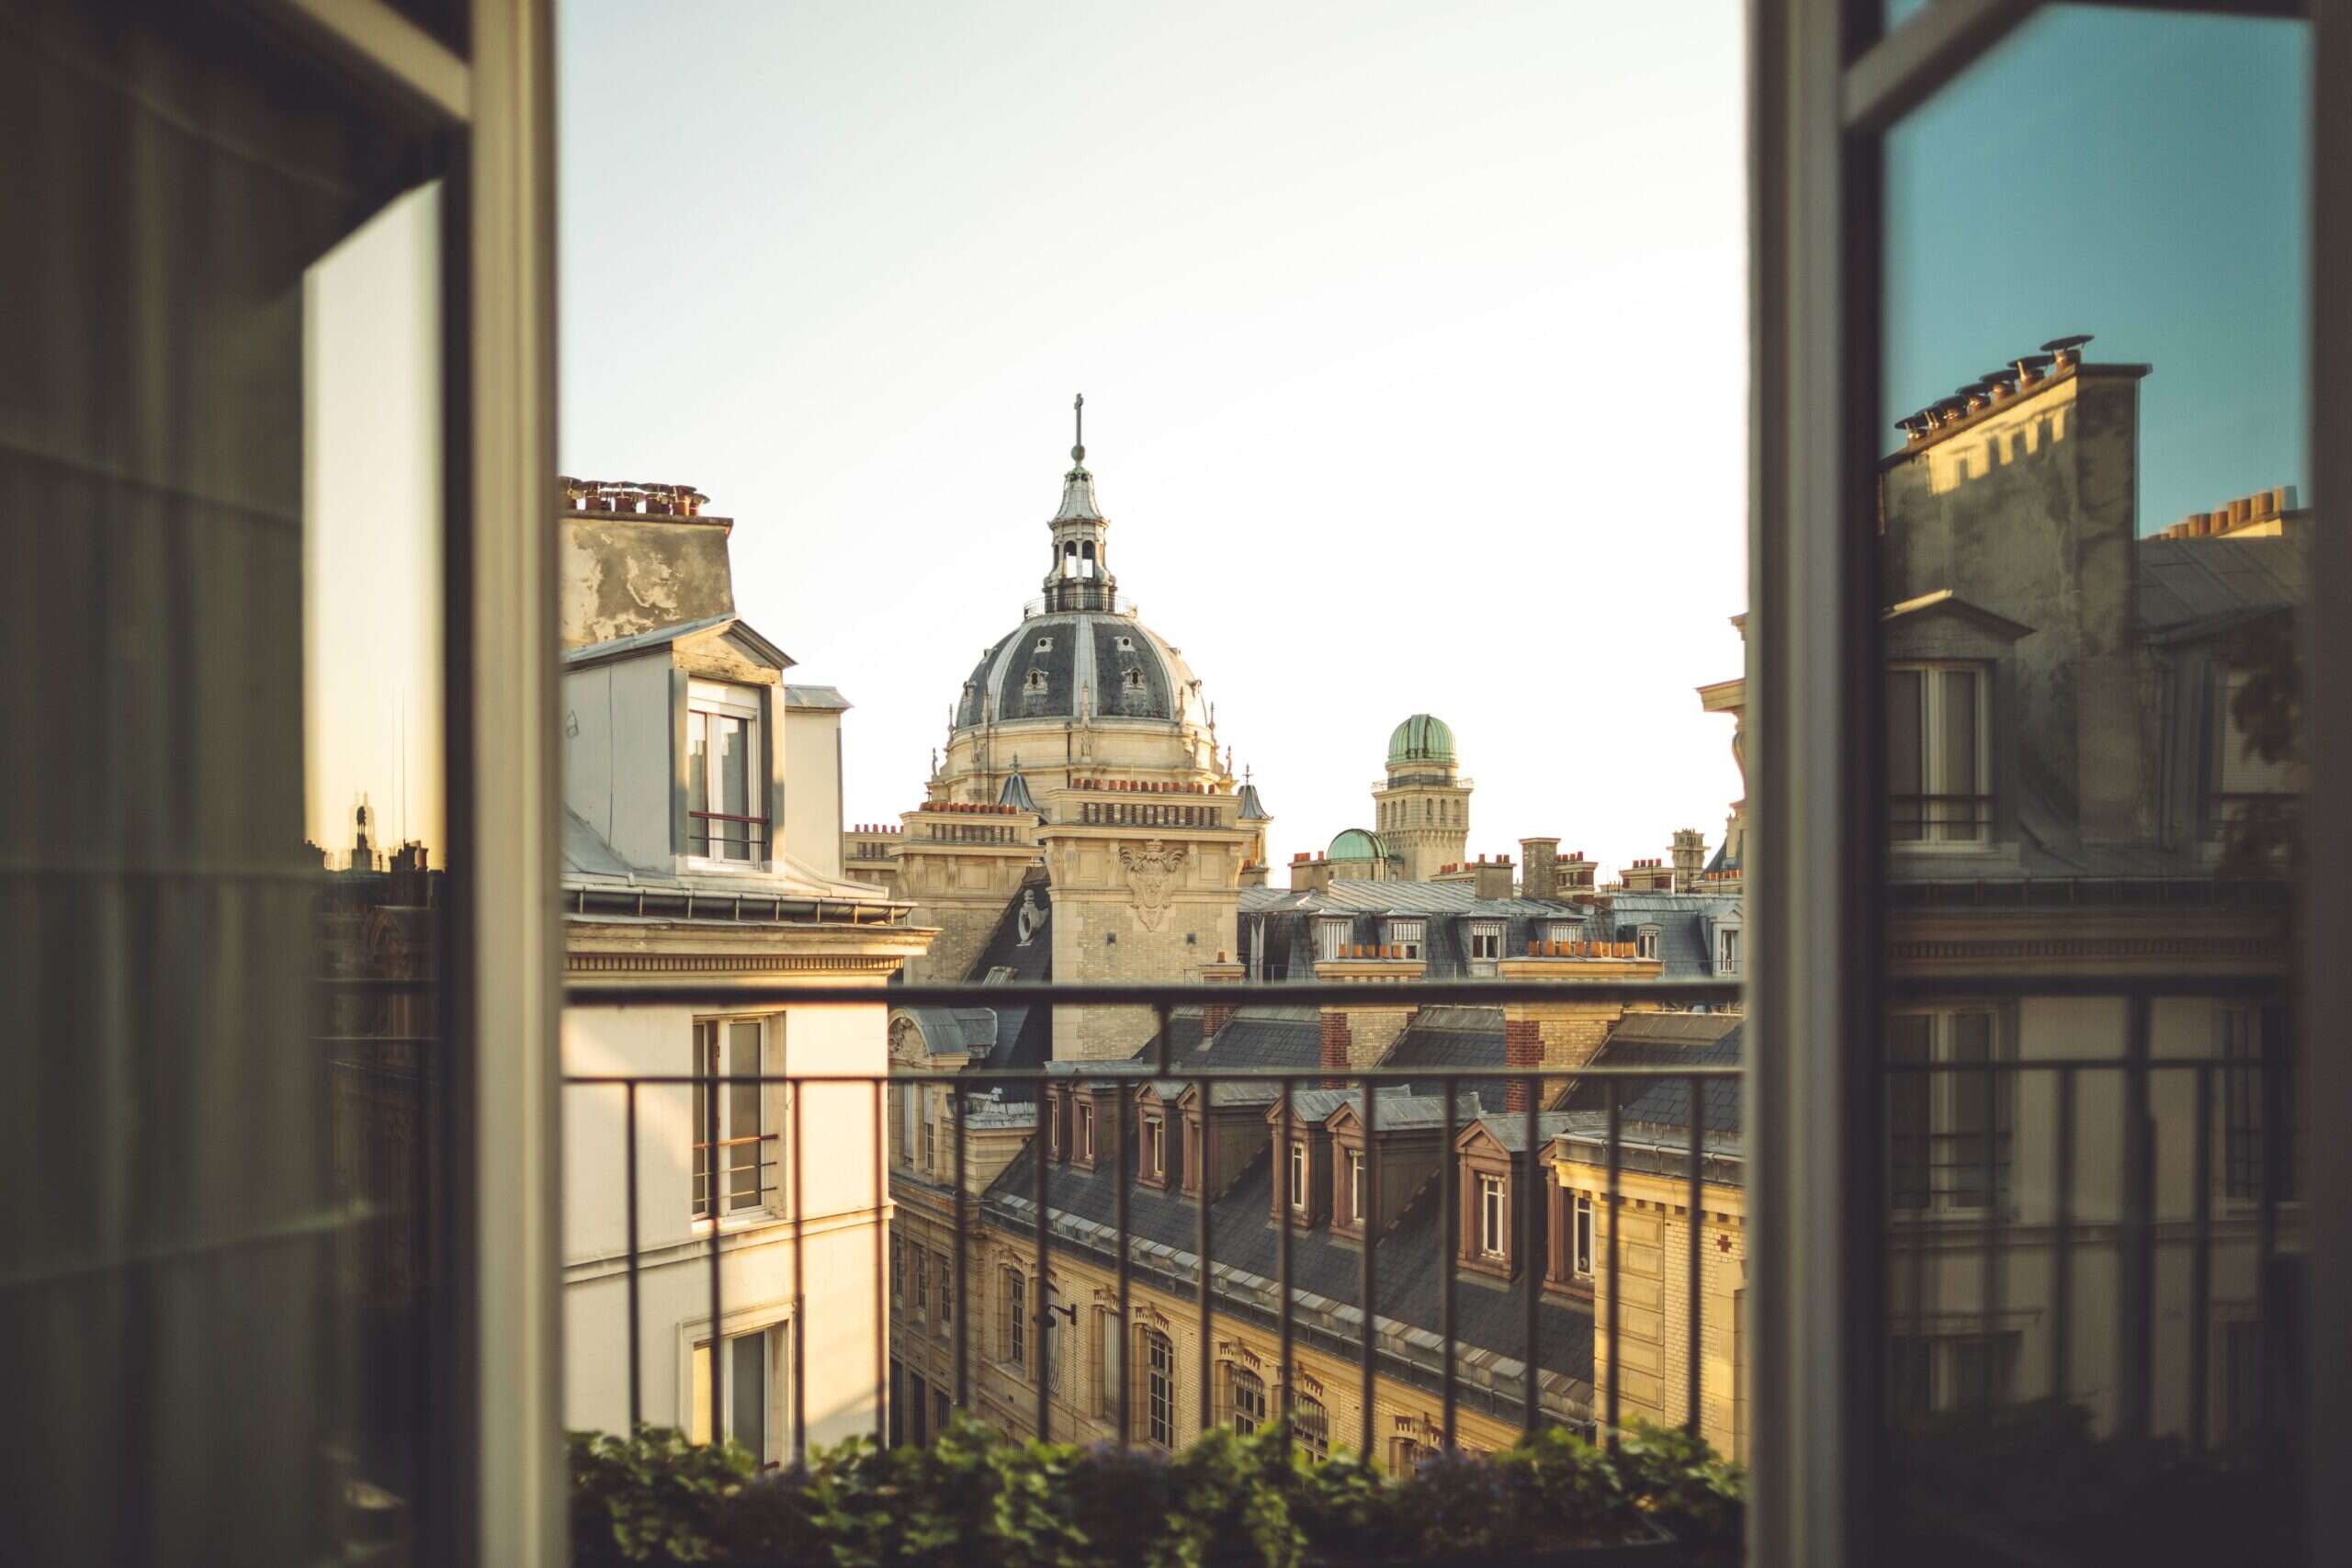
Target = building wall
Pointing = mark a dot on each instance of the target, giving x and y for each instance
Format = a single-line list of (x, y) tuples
[(1108, 926), (625, 574), (845, 1218), (1654, 1284), (614, 780), (811, 805)]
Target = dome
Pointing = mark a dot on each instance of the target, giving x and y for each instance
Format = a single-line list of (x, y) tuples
[(1357, 843), (1423, 738), (1067, 664)]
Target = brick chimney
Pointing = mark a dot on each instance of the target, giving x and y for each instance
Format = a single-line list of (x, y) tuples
[(1356, 1035), (1563, 1036), (1689, 858), (1574, 875), (1253, 874), (1215, 1014), (1537, 859)]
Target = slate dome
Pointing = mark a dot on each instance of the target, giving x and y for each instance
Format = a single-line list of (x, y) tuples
[(1424, 738), (1080, 664)]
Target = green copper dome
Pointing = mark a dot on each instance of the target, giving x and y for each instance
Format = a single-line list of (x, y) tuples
[(1421, 738), (1357, 843)]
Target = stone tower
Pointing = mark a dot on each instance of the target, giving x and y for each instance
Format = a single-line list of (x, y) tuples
[(1424, 808), (1082, 739)]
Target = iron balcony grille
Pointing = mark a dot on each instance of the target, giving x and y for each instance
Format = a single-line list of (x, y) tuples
[(1693, 1163)]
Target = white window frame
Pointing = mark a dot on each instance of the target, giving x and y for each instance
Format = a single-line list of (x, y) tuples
[(1494, 1216), (1331, 934), (1580, 1238), (1646, 942), (775, 1329), (1944, 1090), (1937, 836), (1728, 950), (1355, 1187), (1016, 1325), (1159, 1388), (713, 699), (1300, 1191), (1085, 1136), (1409, 935), (768, 1121), (1245, 1422), (1155, 1142), (1485, 942)]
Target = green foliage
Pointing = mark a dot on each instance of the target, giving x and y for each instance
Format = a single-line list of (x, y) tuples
[(974, 1498)]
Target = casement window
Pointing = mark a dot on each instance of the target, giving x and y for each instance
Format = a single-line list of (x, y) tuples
[(909, 1117), (1158, 1389), (1086, 1132), (1109, 1366), (1407, 936), (1580, 1239), (1494, 1217), (1051, 1319), (1016, 1338), (726, 1133), (1298, 1190), (1951, 1372), (1728, 950), (1646, 942), (946, 1277), (921, 1270), (725, 820), (2243, 1030), (1310, 1426), (1355, 1216), (1948, 1131), (1939, 789), (1564, 931), (1248, 1401), (930, 1131), (1485, 943), (746, 1398), (1155, 1147)]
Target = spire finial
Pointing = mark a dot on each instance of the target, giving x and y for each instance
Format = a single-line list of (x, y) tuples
[(1078, 447)]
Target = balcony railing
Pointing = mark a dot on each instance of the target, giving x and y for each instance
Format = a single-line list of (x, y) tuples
[(2040, 1204)]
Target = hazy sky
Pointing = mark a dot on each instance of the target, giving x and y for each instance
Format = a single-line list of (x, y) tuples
[(1412, 337)]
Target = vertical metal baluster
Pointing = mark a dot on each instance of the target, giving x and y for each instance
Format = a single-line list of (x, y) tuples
[(717, 1191), (1041, 1293), (1367, 1344), (1450, 1240), (882, 1268), (2135, 1256), (1204, 1404), (1988, 1271), (2062, 1263), (1281, 1277), (2201, 1269), (1530, 1217), (1616, 1168), (799, 1289), (636, 1341), (962, 1260), (1127, 1249), (1922, 1220), (1692, 1349), (2275, 1063)]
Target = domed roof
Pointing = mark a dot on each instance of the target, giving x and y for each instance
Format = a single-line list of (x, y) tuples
[(1067, 664), (1423, 738), (1357, 843)]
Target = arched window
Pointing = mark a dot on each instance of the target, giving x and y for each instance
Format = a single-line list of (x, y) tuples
[(1246, 1400), (1310, 1426), (1033, 681), (1159, 1388)]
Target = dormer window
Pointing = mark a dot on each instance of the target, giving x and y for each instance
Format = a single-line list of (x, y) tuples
[(1646, 942), (1489, 1175), (724, 821), (1564, 931), (1125, 645), (1355, 1187), (1131, 679), (1407, 936), (1331, 934), (1045, 645), (1727, 951), (1153, 1171), (1034, 683), (1300, 1193), (1938, 785), (1486, 945)]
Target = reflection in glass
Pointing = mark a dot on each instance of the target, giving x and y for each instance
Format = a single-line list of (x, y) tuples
[(2092, 555)]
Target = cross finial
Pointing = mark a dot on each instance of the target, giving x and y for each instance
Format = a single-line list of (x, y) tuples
[(1078, 447)]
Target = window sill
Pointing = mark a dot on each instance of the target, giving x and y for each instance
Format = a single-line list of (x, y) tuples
[(743, 1220)]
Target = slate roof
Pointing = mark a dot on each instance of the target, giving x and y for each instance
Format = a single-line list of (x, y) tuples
[(2189, 587), (1668, 1040), (1326, 1269), (1024, 1035), (1682, 919)]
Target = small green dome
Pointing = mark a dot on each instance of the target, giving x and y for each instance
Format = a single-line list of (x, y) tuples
[(1357, 843), (1421, 738)]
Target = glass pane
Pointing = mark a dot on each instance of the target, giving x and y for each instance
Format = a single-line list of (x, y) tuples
[(2093, 535), (1905, 746), (698, 783), (701, 1404), (699, 1129), (734, 787), (743, 1160), (746, 1393)]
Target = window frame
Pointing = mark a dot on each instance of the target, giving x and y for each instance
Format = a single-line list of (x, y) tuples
[(706, 700), (1934, 764), (771, 1112), (1157, 1368)]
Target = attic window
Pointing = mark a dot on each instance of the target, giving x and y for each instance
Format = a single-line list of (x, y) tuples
[(1646, 942), (1045, 645), (1407, 935), (1132, 679), (1125, 645), (1487, 941), (1331, 934), (998, 975), (1564, 931), (1035, 682)]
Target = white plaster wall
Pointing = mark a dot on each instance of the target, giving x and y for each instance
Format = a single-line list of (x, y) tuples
[(616, 761), (839, 1258), (812, 791)]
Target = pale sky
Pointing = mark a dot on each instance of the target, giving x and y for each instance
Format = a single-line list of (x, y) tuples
[(1413, 342)]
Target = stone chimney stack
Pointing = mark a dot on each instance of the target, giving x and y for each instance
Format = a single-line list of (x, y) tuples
[(1356, 1034), (1575, 876), (1689, 858), (1536, 860), (1491, 878)]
